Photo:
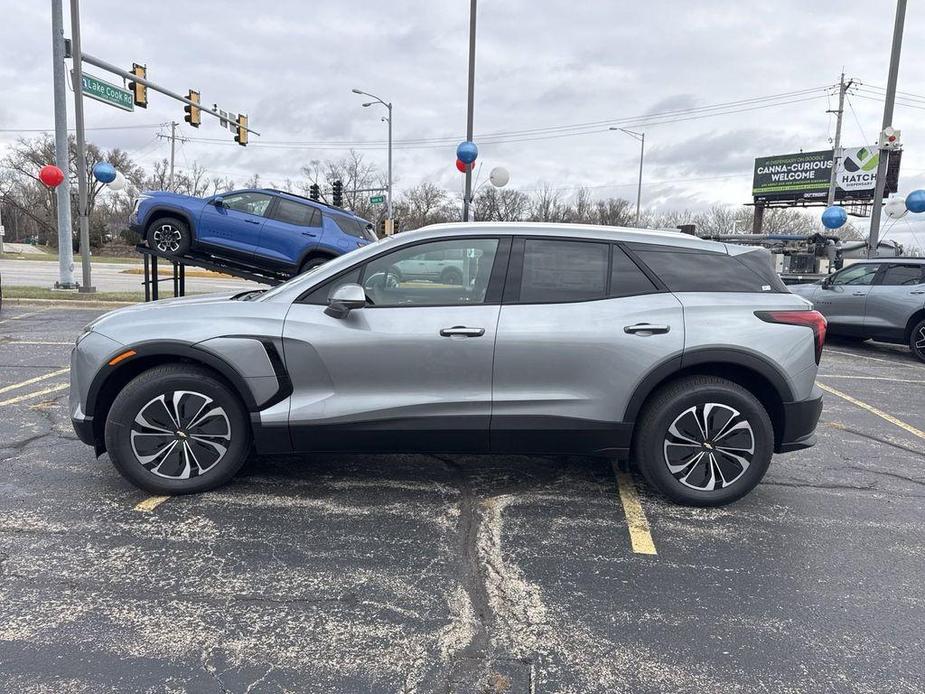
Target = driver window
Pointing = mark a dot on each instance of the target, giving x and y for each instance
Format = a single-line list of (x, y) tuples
[(440, 273), (252, 203), (857, 274)]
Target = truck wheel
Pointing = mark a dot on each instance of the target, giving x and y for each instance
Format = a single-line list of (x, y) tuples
[(917, 341), (704, 441), (169, 235)]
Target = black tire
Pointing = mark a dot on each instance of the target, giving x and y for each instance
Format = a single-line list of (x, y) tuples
[(193, 389), (714, 399), (312, 263), (169, 235), (917, 340), (451, 276)]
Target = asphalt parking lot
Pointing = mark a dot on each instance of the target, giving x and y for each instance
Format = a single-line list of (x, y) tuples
[(461, 574)]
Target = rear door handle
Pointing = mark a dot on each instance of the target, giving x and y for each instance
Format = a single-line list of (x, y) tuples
[(859, 294), (645, 329), (462, 331), (917, 292), (252, 221), (308, 233)]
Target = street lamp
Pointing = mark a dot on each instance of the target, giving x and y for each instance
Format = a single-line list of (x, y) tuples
[(388, 119), (641, 137)]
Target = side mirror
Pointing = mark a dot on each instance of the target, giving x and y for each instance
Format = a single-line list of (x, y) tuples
[(827, 282), (218, 201), (345, 299)]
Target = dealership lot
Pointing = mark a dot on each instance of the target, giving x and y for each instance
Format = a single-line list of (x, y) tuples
[(461, 574)]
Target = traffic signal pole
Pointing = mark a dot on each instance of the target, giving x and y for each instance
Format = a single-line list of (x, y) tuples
[(873, 241), (467, 195), (83, 220)]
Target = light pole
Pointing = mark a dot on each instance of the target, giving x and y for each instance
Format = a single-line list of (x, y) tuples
[(389, 120), (641, 137)]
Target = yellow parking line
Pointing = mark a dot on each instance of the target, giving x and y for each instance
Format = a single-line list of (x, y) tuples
[(30, 381), (873, 410), (34, 394), (151, 503), (640, 537)]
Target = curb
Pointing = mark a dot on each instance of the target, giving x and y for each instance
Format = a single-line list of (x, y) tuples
[(67, 303)]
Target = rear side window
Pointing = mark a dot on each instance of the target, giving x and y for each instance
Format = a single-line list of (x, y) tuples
[(903, 275), (683, 271), (295, 213), (626, 279), (559, 271), (353, 227)]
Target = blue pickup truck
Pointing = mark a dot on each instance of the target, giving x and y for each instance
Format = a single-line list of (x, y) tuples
[(260, 228)]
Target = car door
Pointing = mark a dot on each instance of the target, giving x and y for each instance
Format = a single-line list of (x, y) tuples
[(233, 222), (898, 292), (291, 230), (842, 299), (581, 324), (411, 370)]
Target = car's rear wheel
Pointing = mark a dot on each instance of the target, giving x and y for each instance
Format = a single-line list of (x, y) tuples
[(168, 235), (704, 441), (451, 276), (311, 264), (917, 340), (177, 429)]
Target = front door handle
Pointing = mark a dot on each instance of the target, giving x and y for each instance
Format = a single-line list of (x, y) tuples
[(462, 331), (252, 221), (859, 294), (645, 329), (917, 292), (308, 233)]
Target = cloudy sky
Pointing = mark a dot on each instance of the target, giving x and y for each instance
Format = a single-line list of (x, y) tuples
[(552, 76)]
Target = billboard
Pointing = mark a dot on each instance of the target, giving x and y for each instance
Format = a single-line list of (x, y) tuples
[(805, 176)]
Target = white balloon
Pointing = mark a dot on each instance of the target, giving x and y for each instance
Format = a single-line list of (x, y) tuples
[(895, 208), (118, 182), (499, 177)]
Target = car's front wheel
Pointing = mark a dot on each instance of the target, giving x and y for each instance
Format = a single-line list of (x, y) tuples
[(177, 429), (917, 340), (168, 235), (704, 441)]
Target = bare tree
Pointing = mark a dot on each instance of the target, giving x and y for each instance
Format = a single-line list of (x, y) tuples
[(424, 204)]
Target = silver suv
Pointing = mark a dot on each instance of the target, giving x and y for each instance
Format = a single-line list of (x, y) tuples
[(879, 299), (688, 356)]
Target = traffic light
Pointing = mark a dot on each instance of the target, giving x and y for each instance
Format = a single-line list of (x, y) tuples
[(193, 113), (241, 137), (337, 193), (380, 229), (139, 90), (396, 226), (314, 191)]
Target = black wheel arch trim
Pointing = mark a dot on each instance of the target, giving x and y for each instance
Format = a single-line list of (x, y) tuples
[(183, 215), (164, 350), (707, 355)]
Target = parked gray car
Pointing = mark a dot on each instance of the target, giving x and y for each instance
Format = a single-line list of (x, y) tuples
[(880, 299), (689, 356)]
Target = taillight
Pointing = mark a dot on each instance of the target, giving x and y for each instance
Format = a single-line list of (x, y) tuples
[(810, 319)]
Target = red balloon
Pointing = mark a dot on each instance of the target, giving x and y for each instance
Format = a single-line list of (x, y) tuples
[(51, 176), (461, 165)]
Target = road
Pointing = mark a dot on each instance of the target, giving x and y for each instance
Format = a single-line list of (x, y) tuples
[(109, 277), (461, 574)]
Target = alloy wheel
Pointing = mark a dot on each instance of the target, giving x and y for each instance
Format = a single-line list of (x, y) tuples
[(919, 344), (180, 435), (167, 238), (709, 446)]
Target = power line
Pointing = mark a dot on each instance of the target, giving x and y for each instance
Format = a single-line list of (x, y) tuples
[(108, 127)]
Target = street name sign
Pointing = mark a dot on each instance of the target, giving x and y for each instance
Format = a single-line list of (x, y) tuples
[(376, 199), (108, 93)]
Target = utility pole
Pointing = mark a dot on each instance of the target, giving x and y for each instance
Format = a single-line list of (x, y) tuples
[(873, 241), (173, 145), (467, 194), (82, 202), (62, 157), (836, 149), (641, 138)]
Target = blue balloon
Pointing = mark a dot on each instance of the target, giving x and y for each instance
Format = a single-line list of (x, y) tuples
[(467, 152), (915, 201), (104, 172), (834, 217)]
